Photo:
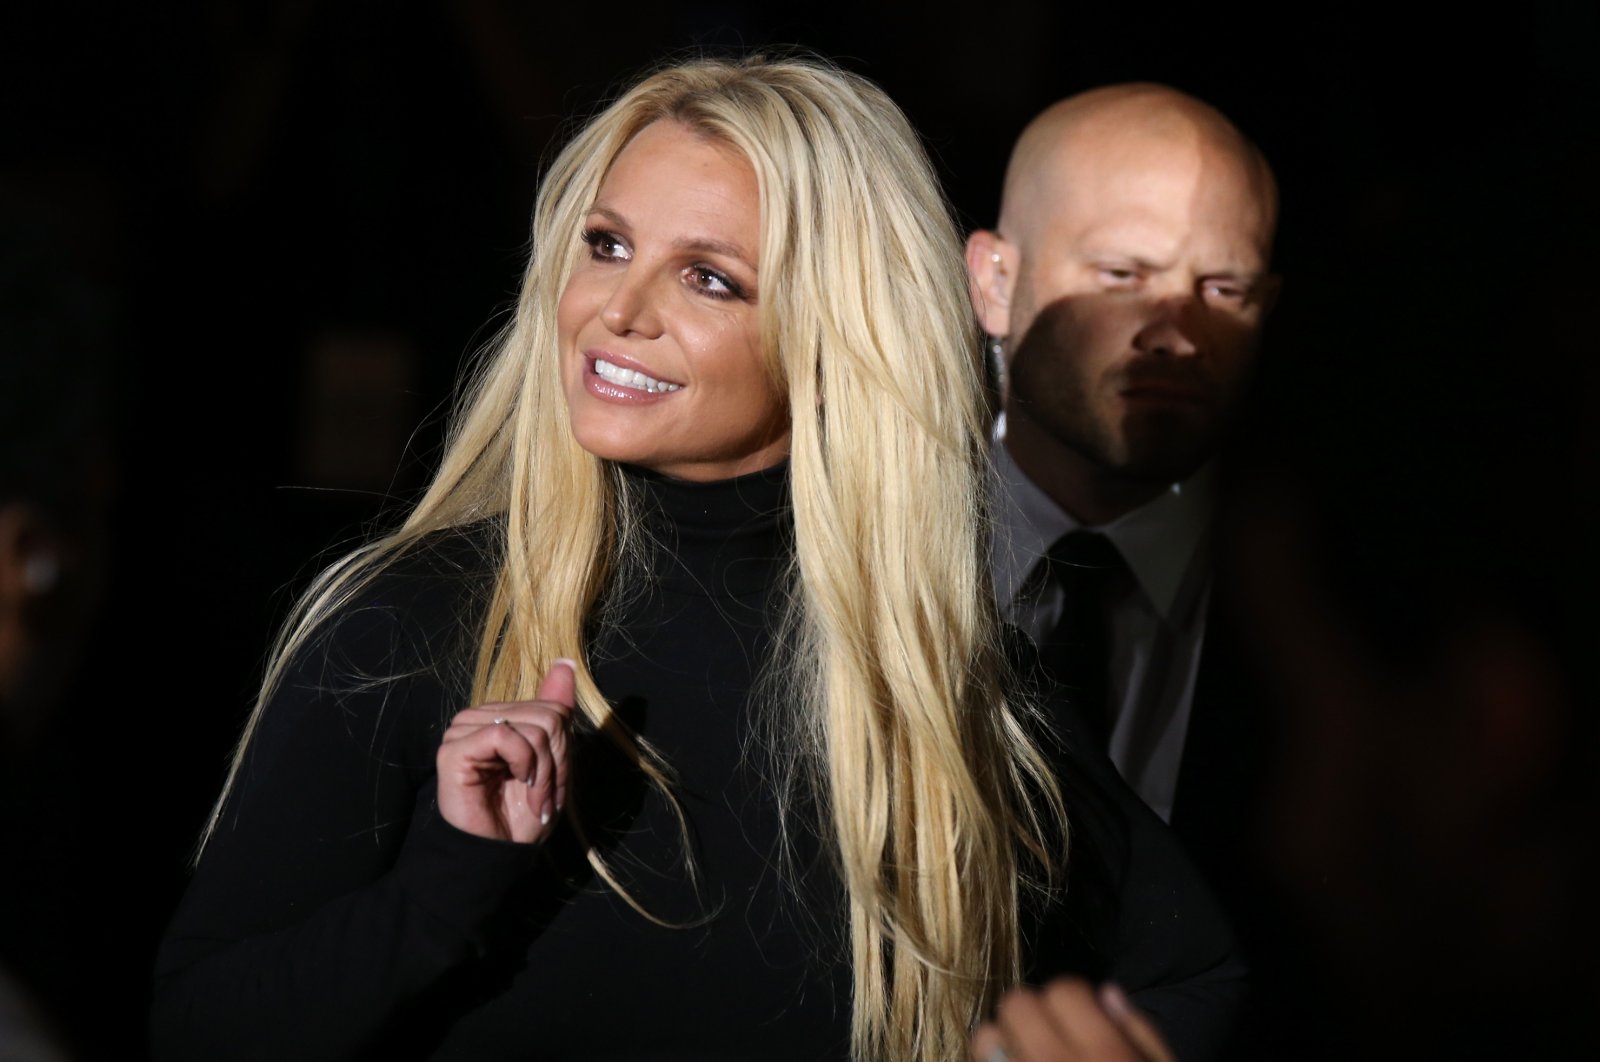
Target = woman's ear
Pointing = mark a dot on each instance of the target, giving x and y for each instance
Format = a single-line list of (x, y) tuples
[(991, 274)]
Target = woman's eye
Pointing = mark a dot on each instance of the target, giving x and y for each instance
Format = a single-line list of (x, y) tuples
[(710, 282), (604, 246)]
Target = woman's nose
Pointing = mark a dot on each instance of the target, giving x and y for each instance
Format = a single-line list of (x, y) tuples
[(631, 308)]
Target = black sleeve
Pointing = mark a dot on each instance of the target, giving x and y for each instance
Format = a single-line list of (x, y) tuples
[(332, 896), (1138, 912), (1174, 950)]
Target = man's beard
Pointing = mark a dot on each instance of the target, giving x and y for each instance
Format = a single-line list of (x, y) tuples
[(1144, 442)]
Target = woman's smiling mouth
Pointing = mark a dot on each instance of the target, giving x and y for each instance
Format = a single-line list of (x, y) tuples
[(618, 375)]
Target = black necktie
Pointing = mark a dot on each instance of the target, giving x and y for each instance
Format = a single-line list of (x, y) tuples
[(1077, 651)]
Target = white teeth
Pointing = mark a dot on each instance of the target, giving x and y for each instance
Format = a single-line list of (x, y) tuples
[(629, 378)]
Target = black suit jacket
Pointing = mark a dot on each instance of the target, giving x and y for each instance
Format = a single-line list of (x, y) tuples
[(1221, 812), (1220, 774)]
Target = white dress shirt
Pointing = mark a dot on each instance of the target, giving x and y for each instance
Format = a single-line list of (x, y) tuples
[(1157, 620)]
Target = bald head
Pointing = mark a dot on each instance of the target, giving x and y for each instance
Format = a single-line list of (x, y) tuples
[(1128, 281), (1135, 132)]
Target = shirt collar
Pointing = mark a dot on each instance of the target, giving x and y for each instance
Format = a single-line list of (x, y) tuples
[(1160, 540)]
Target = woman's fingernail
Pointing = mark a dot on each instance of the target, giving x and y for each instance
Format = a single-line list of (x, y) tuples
[(567, 660), (1114, 999), (544, 816)]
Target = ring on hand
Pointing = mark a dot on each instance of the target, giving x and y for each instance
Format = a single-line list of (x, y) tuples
[(499, 720)]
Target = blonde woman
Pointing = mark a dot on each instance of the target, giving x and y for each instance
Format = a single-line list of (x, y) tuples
[(745, 775)]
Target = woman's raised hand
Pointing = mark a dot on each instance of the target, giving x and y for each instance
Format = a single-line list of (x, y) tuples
[(1067, 1021), (503, 767)]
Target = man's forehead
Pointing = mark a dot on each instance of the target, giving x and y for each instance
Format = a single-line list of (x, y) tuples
[(1138, 149), (1151, 199), (1159, 242), (1162, 203)]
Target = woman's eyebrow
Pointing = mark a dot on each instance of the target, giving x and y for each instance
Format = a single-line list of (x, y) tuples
[(694, 244), (706, 244), (610, 215)]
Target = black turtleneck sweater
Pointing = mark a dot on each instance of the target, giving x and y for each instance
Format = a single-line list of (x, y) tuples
[(336, 915)]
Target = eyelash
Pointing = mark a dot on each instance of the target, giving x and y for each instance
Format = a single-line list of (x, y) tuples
[(1127, 276), (1230, 292), (701, 274), (705, 273), (594, 238)]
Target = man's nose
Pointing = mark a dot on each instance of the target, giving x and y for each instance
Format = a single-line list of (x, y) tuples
[(1173, 327), (632, 308)]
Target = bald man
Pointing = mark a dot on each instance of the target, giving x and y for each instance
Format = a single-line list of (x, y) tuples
[(1125, 288)]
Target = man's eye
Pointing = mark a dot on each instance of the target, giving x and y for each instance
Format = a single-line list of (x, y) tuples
[(1227, 294), (1118, 276), (604, 245)]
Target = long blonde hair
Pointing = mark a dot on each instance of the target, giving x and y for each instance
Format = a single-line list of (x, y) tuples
[(941, 811)]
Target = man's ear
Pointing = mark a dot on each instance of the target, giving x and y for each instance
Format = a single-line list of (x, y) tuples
[(992, 263)]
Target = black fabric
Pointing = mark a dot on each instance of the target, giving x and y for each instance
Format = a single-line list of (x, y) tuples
[(335, 915), (1222, 759), (1221, 817), (1077, 651)]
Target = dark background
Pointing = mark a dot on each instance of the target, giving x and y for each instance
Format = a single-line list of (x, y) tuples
[(311, 214)]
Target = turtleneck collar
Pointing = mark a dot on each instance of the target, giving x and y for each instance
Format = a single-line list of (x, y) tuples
[(727, 537)]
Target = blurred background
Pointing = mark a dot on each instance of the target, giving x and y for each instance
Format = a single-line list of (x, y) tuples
[(296, 221)]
